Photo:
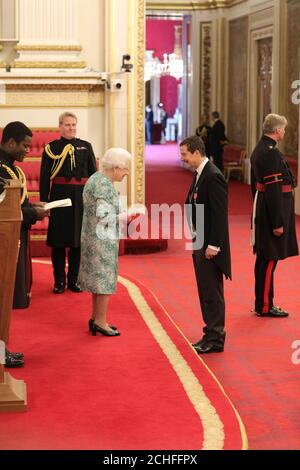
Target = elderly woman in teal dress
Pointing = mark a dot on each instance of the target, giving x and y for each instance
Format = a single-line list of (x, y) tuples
[(100, 237)]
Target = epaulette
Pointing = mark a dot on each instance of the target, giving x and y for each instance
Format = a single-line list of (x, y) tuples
[(59, 159)]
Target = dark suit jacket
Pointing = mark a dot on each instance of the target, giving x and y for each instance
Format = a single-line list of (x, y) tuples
[(217, 137), (211, 191)]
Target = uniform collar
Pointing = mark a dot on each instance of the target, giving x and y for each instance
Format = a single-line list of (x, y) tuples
[(269, 141), (68, 141), (6, 158)]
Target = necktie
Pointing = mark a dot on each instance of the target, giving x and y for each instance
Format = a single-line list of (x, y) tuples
[(192, 188)]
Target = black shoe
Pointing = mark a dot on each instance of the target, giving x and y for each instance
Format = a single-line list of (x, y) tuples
[(59, 288), (74, 288), (16, 355), (199, 343), (91, 322), (97, 329), (208, 348), (11, 361), (276, 312)]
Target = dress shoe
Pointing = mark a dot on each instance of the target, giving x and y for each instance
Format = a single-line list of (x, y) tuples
[(59, 288), (11, 361), (74, 288), (97, 329), (199, 343), (16, 355), (91, 322), (208, 348), (276, 312)]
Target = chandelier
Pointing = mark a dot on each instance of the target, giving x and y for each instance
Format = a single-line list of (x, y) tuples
[(172, 64)]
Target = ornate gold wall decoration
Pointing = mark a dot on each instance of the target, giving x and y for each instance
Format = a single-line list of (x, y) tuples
[(49, 65), (292, 73), (262, 33), (17, 98), (260, 26), (81, 87), (2, 64), (205, 68), (37, 47), (192, 5), (265, 76), (140, 104), (237, 83)]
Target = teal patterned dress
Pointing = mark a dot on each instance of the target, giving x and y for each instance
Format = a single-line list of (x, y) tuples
[(99, 236)]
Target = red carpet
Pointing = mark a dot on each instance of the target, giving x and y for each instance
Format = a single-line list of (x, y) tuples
[(146, 389), (256, 368)]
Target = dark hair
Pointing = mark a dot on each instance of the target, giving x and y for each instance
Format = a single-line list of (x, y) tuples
[(216, 114), (15, 130), (193, 143)]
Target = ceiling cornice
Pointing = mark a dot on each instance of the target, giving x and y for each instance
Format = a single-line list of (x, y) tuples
[(191, 5)]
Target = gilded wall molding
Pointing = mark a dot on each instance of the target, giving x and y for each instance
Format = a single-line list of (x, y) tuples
[(140, 105), (237, 83), (49, 65), (205, 68), (52, 99), (56, 87), (261, 25), (192, 6), (262, 33), (41, 47)]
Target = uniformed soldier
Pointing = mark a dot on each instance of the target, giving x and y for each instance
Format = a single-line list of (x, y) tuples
[(67, 163), (273, 220), (15, 144)]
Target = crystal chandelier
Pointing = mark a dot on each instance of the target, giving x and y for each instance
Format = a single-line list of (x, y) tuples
[(172, 64), (152, 66)]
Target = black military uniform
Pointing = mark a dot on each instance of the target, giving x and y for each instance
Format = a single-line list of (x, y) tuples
[(24, 270), (67, 164), (272, 188)]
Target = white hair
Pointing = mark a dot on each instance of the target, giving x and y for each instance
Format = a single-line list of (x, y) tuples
[(272, 122), (116, 158)]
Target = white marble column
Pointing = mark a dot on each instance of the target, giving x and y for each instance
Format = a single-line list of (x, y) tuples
[(48, 34)]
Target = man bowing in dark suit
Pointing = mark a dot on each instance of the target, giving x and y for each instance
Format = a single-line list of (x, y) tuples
[(211, 258)]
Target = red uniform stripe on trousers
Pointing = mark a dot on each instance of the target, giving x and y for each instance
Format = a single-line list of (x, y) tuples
[(267, 286)]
